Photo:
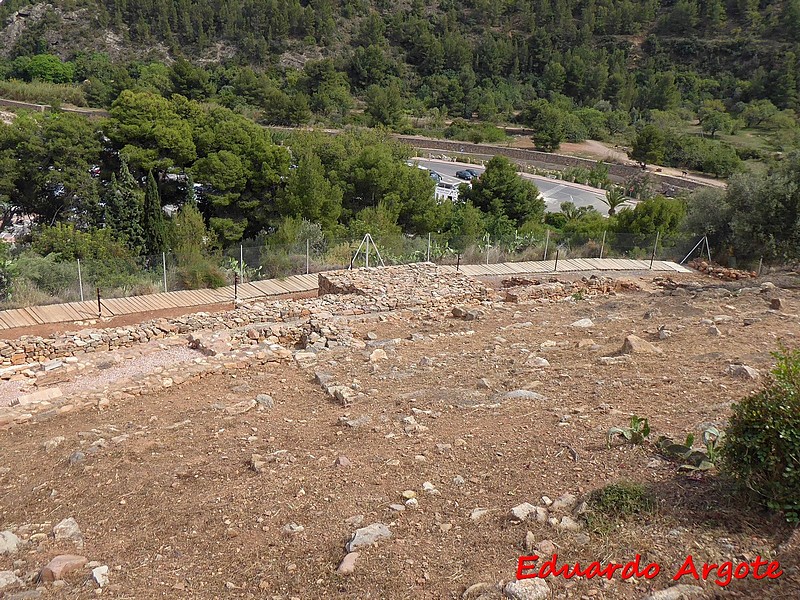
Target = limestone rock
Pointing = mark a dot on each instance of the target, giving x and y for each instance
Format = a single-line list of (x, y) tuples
[(527, 589), (743, 372), (537, 361), (366, 536), (68, 530), (582, 323), (636, 345), (265, 401), (564, 504), (240, 407), (523, 395), (348, 564), (677, 592), (100, 575), (521, 512), (8, 579), (9, 543)]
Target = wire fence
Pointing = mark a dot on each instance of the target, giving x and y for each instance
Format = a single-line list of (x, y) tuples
[(36, 280)]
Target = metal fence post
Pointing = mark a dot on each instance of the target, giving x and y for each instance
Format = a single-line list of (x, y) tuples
[(653, 256), (99, 306), (555, 267), (308, 254), (546, 244), (80, 279), (241, 262), (603, 244), (428, 256), (164, 265), (235, 288)]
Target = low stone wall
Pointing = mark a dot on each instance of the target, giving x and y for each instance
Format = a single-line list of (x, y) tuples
[(257, 321), (342, 293), (522, 290), (407, 286)]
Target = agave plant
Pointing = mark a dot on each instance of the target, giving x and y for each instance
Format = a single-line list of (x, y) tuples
[(635, 433)]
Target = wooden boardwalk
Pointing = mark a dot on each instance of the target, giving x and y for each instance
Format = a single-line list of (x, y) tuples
[(81, 311)]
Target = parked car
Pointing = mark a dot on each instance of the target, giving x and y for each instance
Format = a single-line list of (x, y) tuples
[(467, 174), (435, 176)]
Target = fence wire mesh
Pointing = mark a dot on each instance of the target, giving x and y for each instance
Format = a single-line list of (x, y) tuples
[(44, 280)]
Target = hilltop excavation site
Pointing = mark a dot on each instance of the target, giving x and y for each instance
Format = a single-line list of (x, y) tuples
[(407, 433)]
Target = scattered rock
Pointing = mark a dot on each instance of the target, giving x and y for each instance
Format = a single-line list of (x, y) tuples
[(664, 334), (776, 304), (53, 443), (678, 592), (240, 407), (583, 323), (265, 401), (348, 564), (523, 395), (568, 524), (636, 345), (537, 361), (479, 590), (521, 512), (292, 529), (564, 504), (530, 541), (100, 575), (377, 355), (743, 372), (527, 589), (8, 579), (478, 513), (343, 462), (429, 488), (585, 343), (61, 565), (714, 331), (9, 543), (258, 463), (68, 530), (546, 547), (366, 536)]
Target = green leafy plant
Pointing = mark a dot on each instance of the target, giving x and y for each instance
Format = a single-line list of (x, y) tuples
[(693, 459), (762, 443), (635, 433)]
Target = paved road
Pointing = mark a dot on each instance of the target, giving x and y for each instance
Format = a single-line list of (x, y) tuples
[(553, 191)]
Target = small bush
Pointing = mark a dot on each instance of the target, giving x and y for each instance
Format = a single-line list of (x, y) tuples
[(762, 443), (617, 501), (201, 274)]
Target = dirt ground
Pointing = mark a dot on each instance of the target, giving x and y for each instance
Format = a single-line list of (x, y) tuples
[(168, 500)]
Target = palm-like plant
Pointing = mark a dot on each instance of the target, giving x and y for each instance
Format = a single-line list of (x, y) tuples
[(615, 197)]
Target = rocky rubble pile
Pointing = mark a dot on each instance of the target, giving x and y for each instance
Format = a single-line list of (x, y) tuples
[(720, 272), (522, 290), (407, 286), (256, 321), (32, 543)]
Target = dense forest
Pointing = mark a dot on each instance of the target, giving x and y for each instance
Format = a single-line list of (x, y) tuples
[(191, 88)]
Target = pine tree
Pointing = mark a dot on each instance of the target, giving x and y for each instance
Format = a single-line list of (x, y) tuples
[(123, 209), (155, 228)]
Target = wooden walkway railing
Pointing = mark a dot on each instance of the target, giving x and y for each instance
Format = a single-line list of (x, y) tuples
[(295, 284)]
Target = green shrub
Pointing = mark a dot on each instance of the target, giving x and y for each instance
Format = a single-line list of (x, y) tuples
[(762, 443), (199, 274), (616, 501)]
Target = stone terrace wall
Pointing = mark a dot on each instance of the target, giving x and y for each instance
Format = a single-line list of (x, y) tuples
[(343, 293), (407, 286), (257, 321)]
